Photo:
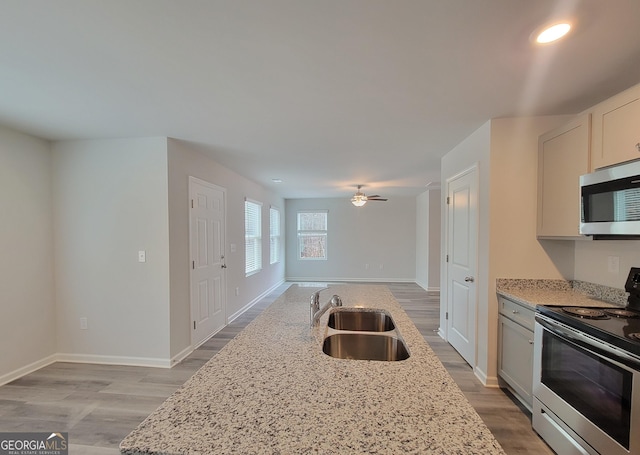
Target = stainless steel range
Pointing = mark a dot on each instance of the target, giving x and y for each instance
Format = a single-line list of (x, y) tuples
[(586, 382)]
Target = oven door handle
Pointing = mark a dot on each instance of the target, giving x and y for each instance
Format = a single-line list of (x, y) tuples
[(588, 342)]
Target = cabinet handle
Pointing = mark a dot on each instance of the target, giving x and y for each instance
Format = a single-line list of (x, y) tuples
[(530, 341), (515, 311)]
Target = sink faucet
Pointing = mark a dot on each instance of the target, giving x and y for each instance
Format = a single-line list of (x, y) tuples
[(316, 311)]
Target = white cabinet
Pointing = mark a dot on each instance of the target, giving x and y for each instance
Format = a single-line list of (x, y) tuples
[(616, 129), (563, 156), (515, 359)]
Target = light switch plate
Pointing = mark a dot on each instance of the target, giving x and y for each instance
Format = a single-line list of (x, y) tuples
[(142, 256)]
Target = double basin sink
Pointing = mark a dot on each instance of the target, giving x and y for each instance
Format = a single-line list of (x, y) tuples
[(363, 334)]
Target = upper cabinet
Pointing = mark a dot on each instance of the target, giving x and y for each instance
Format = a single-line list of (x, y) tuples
[(563, 156), (616, 129)]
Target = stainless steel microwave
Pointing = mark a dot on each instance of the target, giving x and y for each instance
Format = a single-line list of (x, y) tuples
[(610, 202)]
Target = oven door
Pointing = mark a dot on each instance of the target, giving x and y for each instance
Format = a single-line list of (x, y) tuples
[(588, 386)]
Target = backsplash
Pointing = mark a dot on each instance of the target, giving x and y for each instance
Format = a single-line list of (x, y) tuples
[(598, 291)]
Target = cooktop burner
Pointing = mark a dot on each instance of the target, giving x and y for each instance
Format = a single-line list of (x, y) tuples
[(587, 313), (621, 313)]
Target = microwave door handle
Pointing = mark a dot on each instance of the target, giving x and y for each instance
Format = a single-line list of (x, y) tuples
[(587, 342)]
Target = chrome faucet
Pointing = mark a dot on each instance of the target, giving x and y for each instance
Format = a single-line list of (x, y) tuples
[(316, 311)]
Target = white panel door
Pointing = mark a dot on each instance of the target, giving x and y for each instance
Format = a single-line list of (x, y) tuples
[(461, 265), (207, 240)]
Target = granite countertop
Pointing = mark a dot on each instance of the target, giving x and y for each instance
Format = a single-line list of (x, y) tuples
[(272, 390), (560, 292)]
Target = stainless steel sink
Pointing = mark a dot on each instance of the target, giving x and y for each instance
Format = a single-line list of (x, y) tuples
[(365, 346), (359, 320)]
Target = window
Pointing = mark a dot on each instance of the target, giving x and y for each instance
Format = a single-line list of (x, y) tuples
[(274, 235), (312, 235), (252, 237)]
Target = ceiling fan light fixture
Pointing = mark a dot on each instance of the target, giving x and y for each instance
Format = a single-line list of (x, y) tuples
[(359, 200)]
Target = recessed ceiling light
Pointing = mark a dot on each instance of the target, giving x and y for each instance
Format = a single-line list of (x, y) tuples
[(276, 180), (553, 33)]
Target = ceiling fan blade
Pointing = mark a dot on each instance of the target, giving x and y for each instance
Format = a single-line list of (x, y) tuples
[(373, 196), (377, 199)]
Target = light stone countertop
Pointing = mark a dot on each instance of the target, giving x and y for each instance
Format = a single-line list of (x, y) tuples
[(271, 390), (560, 292)]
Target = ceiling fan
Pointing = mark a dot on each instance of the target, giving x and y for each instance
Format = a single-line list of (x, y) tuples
[(359, 199)]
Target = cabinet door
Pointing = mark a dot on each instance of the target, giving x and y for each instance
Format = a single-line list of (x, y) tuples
[(515, 360), (563, 156), (616, 129)]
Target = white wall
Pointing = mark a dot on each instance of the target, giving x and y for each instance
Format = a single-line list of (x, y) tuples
[(428, 239), (27, 308), (474, 150), (506, 153), (185, 161), (110, 200), (591, 259), (380, 234)]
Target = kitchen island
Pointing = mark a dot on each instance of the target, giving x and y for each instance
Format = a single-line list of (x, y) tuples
[(272, 390)]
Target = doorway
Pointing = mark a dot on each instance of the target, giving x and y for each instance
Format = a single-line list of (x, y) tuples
[(207, 221), (461, 262)]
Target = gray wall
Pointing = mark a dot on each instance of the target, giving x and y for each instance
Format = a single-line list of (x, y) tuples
[(376, 242), (110, 201), (428, 239), (185, 161), (74, 216), (27, 306)]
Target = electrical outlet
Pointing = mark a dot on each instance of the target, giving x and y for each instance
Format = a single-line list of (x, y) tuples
[(613, 264), (366, 266), (237, 291), (381, 266), (233, 247), (142, 256), (83, 324)]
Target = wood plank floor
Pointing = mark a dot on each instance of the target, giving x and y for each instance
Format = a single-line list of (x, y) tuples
[(100, 404)]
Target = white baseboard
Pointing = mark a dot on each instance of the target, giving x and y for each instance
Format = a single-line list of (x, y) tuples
[(351, 280), (25, 370), (238, 313), (486, 380), (180, 356), (115, 360)]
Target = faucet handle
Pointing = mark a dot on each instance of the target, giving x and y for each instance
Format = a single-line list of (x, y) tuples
[(336, 300)]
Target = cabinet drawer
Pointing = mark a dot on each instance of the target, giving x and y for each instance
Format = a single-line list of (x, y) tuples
[(519, 313)]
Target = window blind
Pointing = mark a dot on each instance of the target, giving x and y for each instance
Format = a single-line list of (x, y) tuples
[(274, 235), (252, 237)]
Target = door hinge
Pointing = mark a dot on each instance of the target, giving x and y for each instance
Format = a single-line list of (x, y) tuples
[(193, 265), (194, 325), (446, 316), (191, 203), (447, 258), (448, 200)]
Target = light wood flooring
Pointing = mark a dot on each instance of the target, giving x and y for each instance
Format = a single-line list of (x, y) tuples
[(100, 404)]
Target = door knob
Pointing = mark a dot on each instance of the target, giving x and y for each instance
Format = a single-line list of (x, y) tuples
[(224, 266), (469, 279)]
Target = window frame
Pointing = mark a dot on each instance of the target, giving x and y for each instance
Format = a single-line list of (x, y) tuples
[(311, 232), (252, 207), (275, 238)]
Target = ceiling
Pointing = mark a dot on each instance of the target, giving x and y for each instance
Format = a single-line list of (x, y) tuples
[(323, 94)]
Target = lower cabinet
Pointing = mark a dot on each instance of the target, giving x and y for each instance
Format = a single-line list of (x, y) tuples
[(515, 357)]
